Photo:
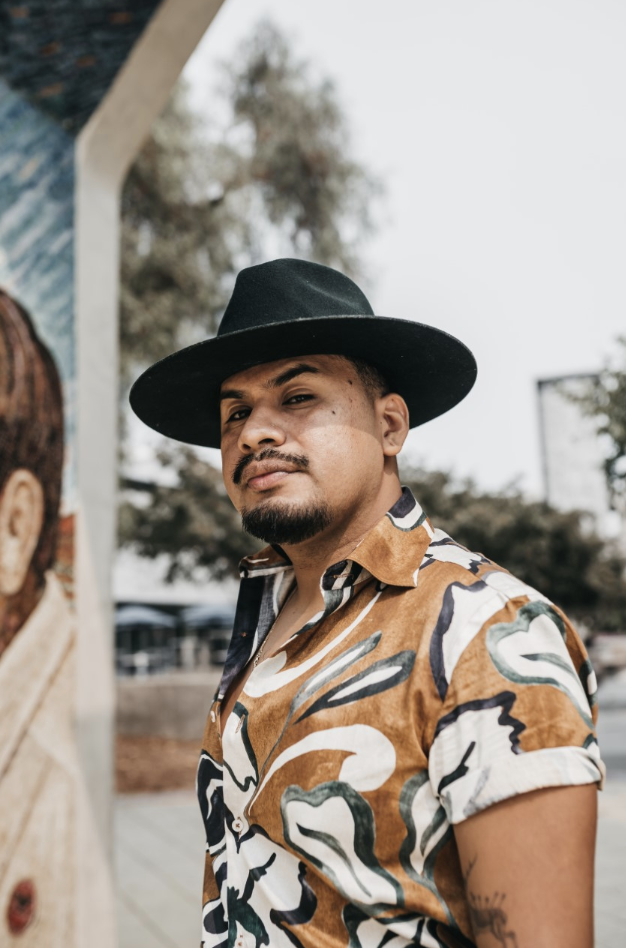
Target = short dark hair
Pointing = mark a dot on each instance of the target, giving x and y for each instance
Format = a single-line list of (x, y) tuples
[(372, 379), (31, 418)]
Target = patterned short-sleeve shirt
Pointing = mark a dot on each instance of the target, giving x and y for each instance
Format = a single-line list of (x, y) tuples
[(433, 684)]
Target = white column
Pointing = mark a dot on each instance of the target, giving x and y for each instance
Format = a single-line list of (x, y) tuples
[(105, 149)]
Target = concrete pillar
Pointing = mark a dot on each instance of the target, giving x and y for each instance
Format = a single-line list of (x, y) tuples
[(105, 149)]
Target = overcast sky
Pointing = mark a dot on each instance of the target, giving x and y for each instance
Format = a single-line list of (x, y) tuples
[(499, 132)]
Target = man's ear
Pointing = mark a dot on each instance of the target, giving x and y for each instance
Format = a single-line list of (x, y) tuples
[(394, 416), (21, 520)]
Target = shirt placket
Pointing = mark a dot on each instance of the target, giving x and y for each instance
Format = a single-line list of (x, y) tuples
[(236, 802), (337, 587)]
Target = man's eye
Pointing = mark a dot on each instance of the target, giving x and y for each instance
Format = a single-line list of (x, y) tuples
[(239, 414), (298, 398)]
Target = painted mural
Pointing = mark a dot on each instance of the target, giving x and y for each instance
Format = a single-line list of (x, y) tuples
[(57, 60), (37, 252), (38, 762)]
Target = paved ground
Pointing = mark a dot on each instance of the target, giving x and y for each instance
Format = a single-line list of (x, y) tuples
[(159, 857)]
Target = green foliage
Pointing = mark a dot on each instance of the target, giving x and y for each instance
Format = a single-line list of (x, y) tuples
[(170, 239), (606, 399), (201, 203), (194, 523), (551, 550), (298, 152), (199, 206)]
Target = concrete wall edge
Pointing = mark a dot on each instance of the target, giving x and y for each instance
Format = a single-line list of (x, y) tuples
[(104, 151)]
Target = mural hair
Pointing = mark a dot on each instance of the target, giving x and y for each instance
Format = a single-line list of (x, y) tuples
[(31, 418)]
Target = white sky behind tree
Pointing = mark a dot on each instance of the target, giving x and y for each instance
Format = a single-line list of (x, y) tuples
[(498, 130)]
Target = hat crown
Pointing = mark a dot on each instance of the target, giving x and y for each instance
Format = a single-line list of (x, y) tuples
[(288, 289), (289, 308)]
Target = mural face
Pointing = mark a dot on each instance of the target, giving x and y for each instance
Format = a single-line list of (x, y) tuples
[(36, 240), (57, 61), (37, 756), (31, 464)]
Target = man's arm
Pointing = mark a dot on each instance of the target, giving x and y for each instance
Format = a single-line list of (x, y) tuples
[(528, 869)]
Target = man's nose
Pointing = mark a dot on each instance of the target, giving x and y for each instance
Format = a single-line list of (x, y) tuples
[(261, 429)]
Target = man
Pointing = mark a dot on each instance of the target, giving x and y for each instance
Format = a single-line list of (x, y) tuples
[(38, 768), (401, 750)]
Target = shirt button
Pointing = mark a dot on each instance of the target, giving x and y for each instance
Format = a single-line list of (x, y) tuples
[(241, 941), (238, 826)]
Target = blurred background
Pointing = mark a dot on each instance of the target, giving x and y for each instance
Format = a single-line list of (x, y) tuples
[(465, 164)]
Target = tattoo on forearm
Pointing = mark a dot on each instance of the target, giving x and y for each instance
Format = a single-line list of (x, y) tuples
[(487, 914)]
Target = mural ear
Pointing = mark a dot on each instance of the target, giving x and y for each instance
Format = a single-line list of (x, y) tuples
[(21, 520)]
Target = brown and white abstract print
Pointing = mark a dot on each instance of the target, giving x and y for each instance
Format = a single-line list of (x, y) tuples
[(433, 685)]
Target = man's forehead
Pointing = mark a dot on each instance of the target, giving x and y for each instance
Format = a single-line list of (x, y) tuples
[(268, 372)]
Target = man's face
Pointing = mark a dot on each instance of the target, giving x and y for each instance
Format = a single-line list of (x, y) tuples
[(302, 446)]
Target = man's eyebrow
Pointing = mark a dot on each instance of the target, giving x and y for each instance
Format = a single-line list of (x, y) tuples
[(230, 393), (275, 382), (290, 374)]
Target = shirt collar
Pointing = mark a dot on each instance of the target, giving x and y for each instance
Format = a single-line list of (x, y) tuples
[(391, 551)]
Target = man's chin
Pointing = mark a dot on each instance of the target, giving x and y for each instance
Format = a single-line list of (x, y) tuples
[(283, 523)]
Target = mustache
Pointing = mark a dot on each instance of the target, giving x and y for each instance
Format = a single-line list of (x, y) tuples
[(300, 461)]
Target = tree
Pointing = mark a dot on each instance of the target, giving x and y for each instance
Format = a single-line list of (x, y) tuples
[(605, 399), (193, 522), (195, 210), (551, 550), (198, 205)]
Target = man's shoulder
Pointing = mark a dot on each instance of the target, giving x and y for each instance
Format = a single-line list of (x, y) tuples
[(447, 566), (465, 604)]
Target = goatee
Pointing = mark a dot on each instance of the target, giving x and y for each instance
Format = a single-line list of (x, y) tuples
[(285, 523)]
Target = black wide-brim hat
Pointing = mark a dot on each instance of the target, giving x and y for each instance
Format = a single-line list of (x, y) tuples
[(289, 308)]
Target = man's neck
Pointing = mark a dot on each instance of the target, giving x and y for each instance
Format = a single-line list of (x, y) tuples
[(312, 558)]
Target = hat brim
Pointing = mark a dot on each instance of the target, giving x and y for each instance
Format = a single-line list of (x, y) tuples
[(179, 396)]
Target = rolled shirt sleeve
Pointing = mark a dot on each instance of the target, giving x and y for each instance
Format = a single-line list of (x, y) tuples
[(519, 713)]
